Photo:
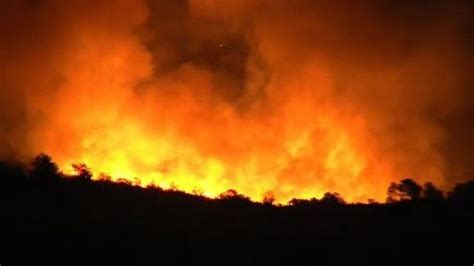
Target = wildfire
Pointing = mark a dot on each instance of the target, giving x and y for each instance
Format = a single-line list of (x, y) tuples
[(264, 97)]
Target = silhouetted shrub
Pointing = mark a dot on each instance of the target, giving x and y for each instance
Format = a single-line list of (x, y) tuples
[(268, 198), (463, 193), (332, 199), (232, 194), (104, 177), (125, 181), (299, 202), (82, 171), (430, 192), (314, 202), (42, 168), (407, 189), (197, 192), (153, 187), (137, 181), (172, 187)]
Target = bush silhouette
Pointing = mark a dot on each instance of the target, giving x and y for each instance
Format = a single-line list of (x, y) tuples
[(82, 171), (430, 192), (332, 199), (42, 168), (233, 195), (268, 198), (406, 189), (299, 202), (463, 194)]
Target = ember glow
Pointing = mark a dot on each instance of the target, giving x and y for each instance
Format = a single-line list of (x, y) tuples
[(291, 98)]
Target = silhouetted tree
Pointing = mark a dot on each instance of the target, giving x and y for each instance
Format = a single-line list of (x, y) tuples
[(173, 187), (332, 199), (82, 171), (430, 192), (269, 198), (298, 202), (104, 177), (407, 189), (42, 168), (123, 180), (154, 187), (232, 194), (137, 181), (197, 192), (304, 202), (463, 193)]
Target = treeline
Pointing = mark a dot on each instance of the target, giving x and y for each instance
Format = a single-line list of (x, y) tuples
[(47, 218), (42, 170)]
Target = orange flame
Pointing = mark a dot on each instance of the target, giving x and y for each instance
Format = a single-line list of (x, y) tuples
[(267, 99)]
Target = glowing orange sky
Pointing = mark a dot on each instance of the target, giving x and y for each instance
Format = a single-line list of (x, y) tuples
[(293, 98)]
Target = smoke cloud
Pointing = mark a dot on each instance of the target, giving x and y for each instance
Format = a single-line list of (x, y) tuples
[(291, 98)]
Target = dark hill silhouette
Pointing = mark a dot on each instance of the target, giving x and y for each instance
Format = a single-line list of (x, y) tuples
[(48, 218)]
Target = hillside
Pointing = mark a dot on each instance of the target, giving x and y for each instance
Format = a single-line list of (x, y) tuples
[(76, 220)]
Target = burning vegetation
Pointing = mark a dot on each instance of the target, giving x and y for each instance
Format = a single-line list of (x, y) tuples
[(275, 99)]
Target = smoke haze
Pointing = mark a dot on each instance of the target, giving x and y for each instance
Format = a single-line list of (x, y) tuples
[(292, 98)]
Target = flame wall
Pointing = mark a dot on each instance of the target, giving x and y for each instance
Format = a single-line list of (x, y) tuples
[(293, 98)]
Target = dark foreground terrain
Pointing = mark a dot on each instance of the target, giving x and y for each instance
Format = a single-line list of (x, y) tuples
[(47, 220)]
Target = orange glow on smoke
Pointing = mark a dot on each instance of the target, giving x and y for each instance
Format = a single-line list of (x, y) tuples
[(264, 97), (295, 149)]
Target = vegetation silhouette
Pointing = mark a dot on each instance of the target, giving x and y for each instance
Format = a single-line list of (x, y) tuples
[(430, 192), (50, 217), (42, 168), (332, 199), (82, 171), (406, 189), (463, 195)]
